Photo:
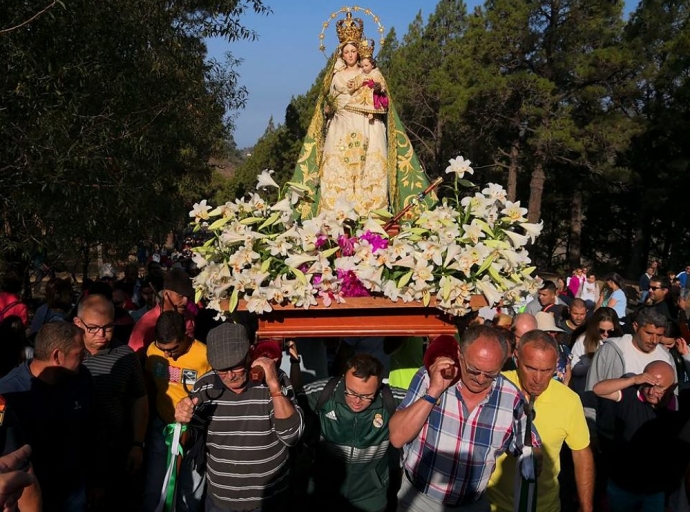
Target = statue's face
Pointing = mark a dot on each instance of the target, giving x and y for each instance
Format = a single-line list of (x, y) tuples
[(349, 54)]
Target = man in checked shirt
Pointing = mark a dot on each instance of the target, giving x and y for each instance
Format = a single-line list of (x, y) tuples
[(452, 430)]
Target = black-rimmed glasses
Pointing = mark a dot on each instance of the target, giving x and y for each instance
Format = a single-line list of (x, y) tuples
[(93, 329), (364, 398)]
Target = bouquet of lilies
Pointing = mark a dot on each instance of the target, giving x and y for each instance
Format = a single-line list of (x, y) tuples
[(265, 254)]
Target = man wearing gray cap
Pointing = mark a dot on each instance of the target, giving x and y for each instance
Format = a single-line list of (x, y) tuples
[(249, 426)]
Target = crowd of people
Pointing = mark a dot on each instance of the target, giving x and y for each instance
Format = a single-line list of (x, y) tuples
[(571, 402)]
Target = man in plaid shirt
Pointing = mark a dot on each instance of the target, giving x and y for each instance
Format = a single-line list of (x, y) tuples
[(452, 430)]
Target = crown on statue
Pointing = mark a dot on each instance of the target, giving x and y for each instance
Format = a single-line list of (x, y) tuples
[(350, 30), (366, 48)]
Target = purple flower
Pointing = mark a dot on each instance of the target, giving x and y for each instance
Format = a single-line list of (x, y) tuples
[(320, 241), (376, 241), (350, 285), (347, 244)]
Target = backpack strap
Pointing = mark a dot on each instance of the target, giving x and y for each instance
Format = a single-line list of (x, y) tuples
[(326, 393), (388, 400)]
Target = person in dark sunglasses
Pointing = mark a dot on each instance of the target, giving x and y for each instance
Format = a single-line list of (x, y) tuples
[(603, 324)]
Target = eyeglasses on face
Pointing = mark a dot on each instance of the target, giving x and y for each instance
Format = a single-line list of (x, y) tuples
[(365, 398), (608, 332), (655, 288), (242, 367), (168, 350), (93, 329), (477, 373)]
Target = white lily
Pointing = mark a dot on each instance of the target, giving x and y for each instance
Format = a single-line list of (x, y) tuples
[(297, 260), (258, 301), (493, 296), (532, 230), (200, 211), (517, 239), (264, 180), (514, 212), (459, 166), (495, 192)]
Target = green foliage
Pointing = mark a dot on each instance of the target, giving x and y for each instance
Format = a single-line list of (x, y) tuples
[(109, 117)]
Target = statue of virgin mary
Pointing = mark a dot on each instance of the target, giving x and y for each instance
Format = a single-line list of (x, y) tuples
[(358, 153)]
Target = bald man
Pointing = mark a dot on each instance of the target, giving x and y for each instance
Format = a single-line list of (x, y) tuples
[(648, 457), (522, 323), (121, 405)]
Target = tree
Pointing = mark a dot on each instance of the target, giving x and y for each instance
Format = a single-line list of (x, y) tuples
[(100, 134), (422, 87)]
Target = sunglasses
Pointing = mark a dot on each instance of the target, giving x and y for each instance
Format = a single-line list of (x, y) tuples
[(608, 332), (655, 288)]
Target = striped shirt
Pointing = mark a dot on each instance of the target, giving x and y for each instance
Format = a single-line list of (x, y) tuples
[(118, 381), (247, 447), (455, 452)]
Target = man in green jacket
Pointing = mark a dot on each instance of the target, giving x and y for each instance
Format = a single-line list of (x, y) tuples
[(353, 456)]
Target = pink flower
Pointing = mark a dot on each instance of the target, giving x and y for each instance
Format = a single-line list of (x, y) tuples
[(320, 241), (376, 241), (347, 244), (350, 285)]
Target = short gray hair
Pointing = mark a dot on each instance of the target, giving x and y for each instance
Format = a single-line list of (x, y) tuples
[(650, 316)]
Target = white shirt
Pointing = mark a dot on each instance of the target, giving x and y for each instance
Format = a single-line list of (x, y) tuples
[(634, 360)]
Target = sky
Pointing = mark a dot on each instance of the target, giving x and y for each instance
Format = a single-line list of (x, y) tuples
[(285, 59)]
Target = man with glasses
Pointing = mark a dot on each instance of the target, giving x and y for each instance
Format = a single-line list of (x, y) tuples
[(177, 292), (248, 425), (352, 459), (174, 362), (448, 422), (121, 405), (659, 289), (558, 417)]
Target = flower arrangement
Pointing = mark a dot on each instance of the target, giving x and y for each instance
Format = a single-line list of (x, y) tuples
[(462, 246)]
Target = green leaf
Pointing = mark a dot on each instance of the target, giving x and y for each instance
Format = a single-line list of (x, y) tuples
[(299, 275), (265, 265), (405, 279), (382, 213), (251, 220), (426, 298), (330, 252), (234, 299), (219, 223), (466, 183), (271, 220), (445, 293), (488, 261)]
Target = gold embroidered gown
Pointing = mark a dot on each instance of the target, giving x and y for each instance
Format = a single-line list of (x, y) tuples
[(354, 153)]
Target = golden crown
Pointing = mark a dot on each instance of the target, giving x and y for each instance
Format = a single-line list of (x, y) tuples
[(350, 30), (366, 48)]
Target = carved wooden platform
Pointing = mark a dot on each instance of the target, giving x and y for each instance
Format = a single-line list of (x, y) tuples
[(358, 316)]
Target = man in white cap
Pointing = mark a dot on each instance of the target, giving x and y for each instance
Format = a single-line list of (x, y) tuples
[(249, 426), (547, 323)]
